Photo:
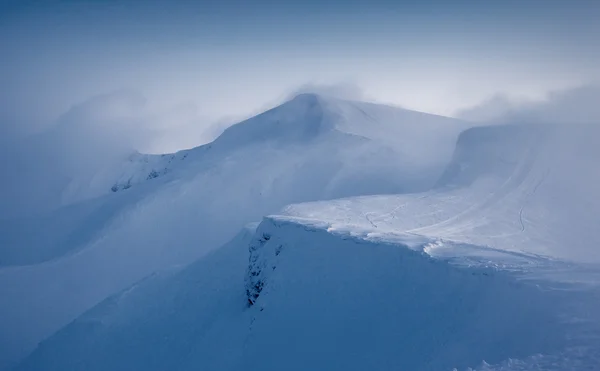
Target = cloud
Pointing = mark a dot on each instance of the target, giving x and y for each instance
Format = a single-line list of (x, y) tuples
[(580, 105), (95, 131), (94, 134), (577, 106), (123, 121), (491, 109), (342, 90)]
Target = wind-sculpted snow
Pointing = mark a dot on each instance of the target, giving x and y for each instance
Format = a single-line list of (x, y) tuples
[(493, 151), (154, 212), (328, 300), (522, 188)]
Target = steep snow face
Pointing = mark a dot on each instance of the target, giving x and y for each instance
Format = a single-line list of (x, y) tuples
[(328, 300), (385, 304), (518, 188), (157, 212), (492, 152)]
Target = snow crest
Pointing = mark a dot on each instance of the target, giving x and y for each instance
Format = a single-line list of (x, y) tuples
[(315, 294)]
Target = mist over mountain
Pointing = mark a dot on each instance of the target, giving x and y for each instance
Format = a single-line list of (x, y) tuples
[(316, 185), (118, 220), (500, 218), (573, 106)]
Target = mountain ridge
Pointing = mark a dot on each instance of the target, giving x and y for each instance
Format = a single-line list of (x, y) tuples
[(306, 117), (203, 196)]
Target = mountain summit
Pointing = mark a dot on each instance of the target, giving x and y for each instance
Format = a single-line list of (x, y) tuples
[(302, 118), (309, 116)]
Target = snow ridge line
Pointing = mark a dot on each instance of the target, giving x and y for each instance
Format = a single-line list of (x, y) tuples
[(267, 245)]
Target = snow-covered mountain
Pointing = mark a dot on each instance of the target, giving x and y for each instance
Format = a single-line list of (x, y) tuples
[(308, 119), (494, 268), (150, 213)]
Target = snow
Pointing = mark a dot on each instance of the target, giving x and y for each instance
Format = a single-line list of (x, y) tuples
[(328, 301), (526, 189), (376, 130), (55, 266), (413, 244)]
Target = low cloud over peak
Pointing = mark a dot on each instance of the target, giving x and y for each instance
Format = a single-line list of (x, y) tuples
[(341, 90), (580, 105)]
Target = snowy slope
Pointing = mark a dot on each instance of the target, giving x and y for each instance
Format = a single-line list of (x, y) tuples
[(346, 148), (495, 268), (328, 301), (525, 188), (155, 212), (307, 118)]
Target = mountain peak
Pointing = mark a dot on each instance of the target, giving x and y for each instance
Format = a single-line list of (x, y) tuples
[(300, 118), (306, 97), (308, 116), (304, 101)]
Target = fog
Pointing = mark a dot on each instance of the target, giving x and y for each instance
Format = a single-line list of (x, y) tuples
[(106, 128), (92, 134), (87, 88), (577, 105)]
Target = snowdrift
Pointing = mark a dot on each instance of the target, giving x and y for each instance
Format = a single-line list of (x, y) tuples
[(328, 301), (521, 188)]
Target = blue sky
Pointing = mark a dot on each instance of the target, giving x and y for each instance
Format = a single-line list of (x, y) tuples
[(235, 57)]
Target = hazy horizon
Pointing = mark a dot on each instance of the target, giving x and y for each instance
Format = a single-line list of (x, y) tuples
[(214, 60)]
